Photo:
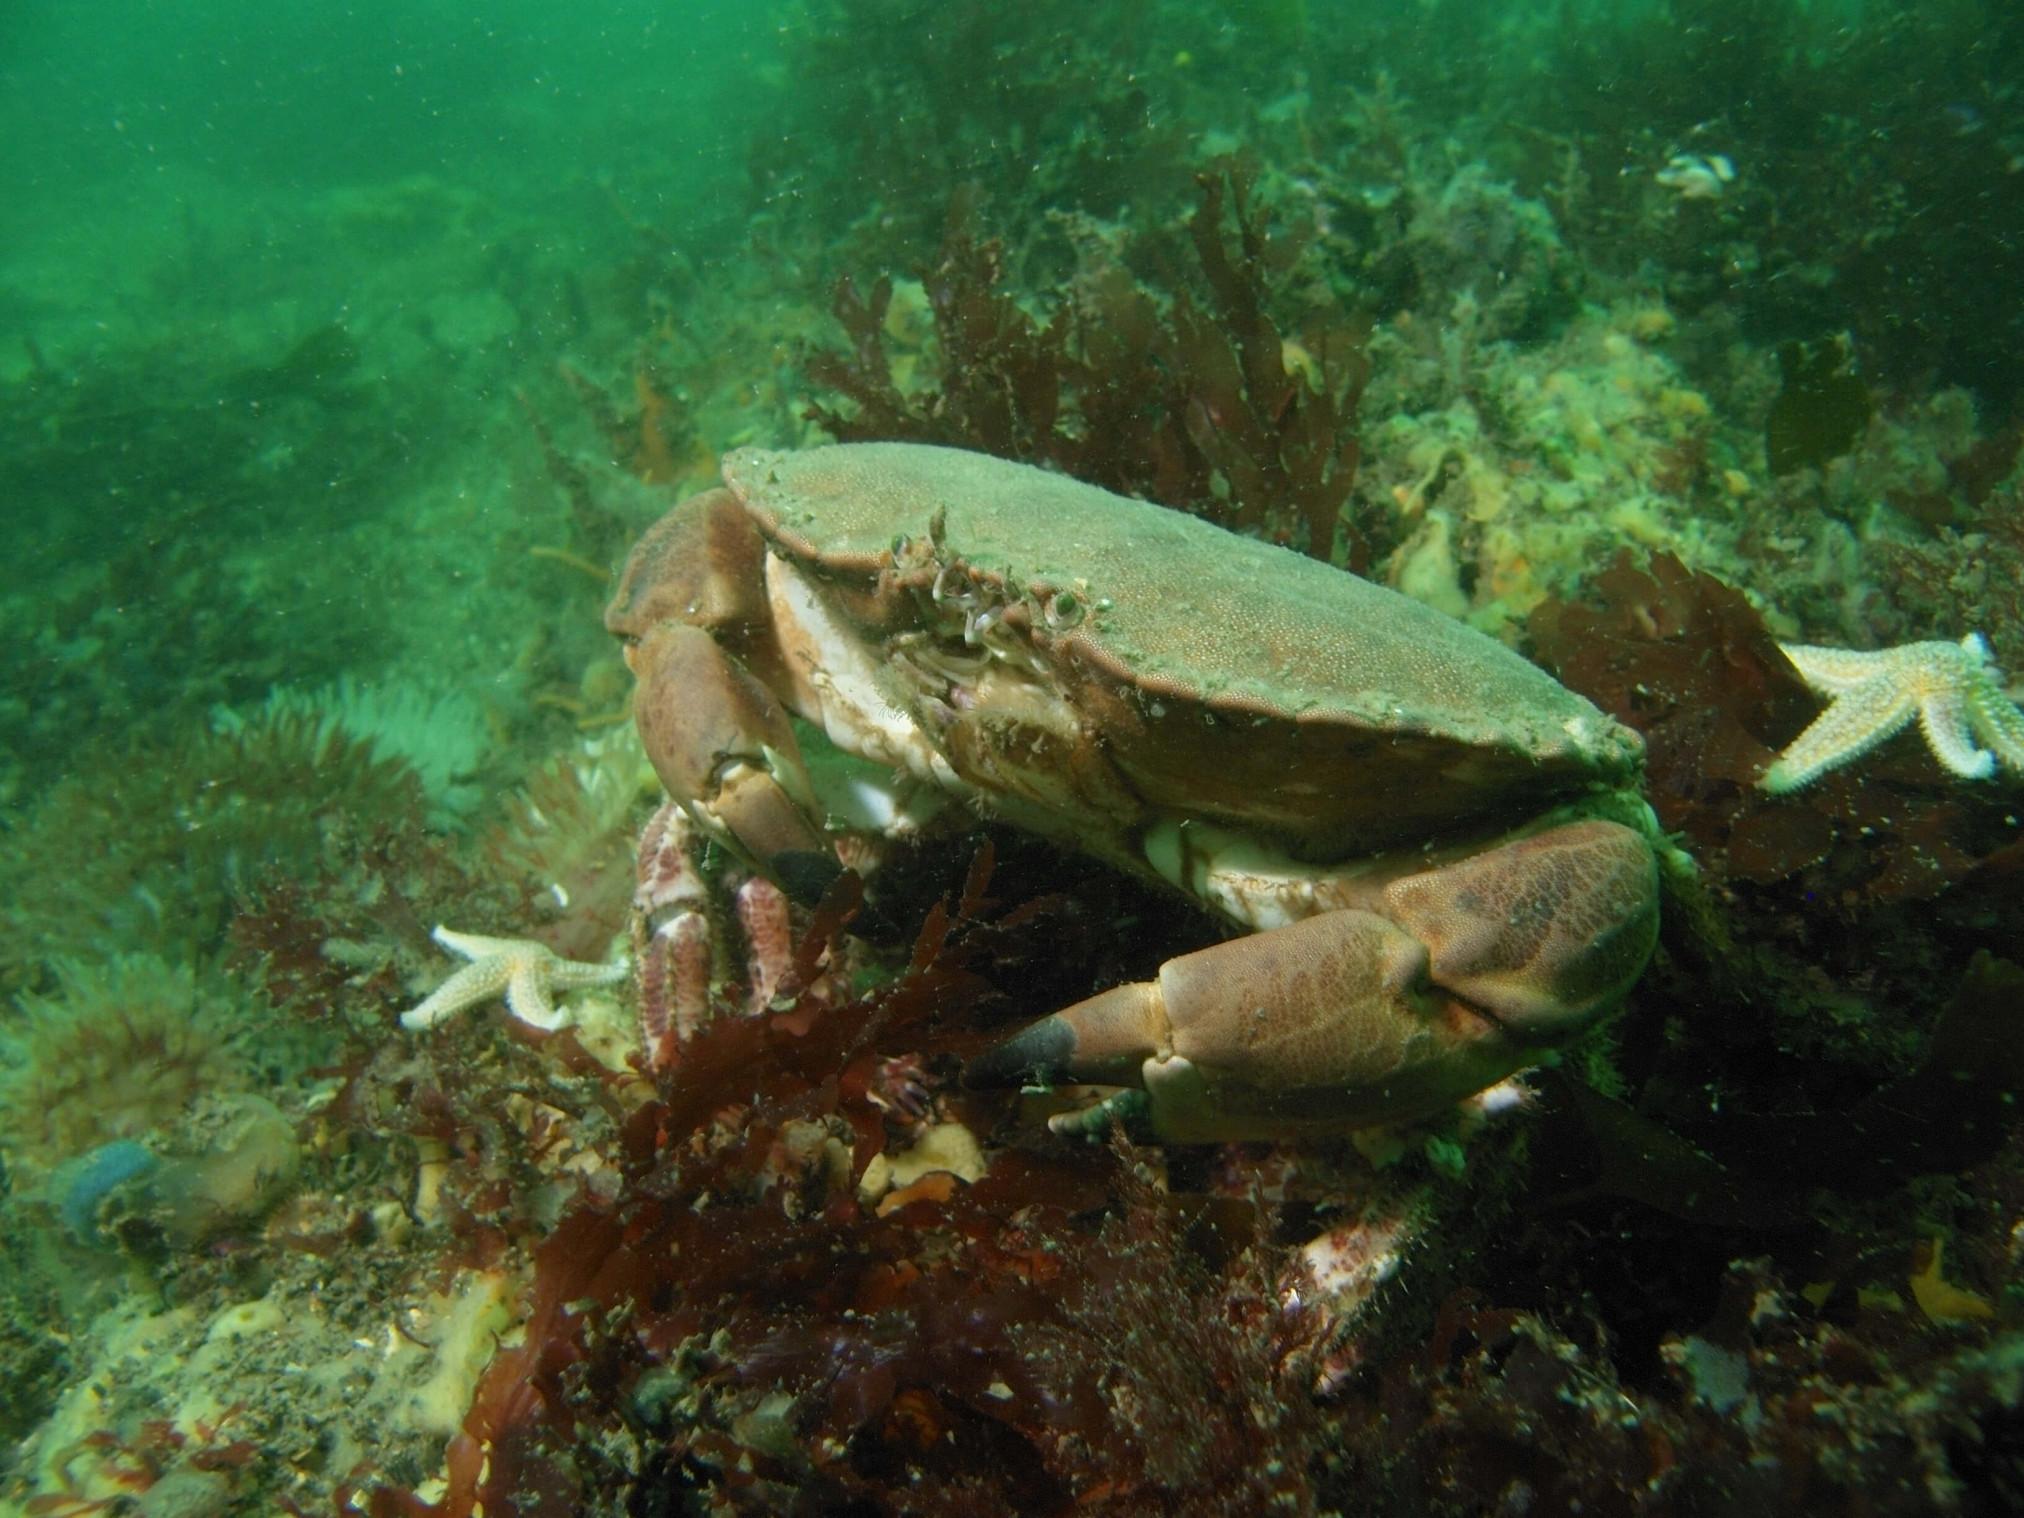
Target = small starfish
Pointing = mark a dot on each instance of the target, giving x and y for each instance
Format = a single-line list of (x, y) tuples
[(527, 972), (1952, 688)]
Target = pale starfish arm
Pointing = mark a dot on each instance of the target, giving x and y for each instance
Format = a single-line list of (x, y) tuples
[(1855, 723), (1943, 716), (475, 946), (527, 998), (1998, 723), (569, 974), (1835, 671), (473, 983)]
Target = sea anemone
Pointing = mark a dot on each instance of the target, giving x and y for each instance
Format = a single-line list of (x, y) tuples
[(441, 733), (566, 836), (152, 848), (123, 1045)]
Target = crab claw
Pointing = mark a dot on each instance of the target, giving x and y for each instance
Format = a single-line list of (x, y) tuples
[(1325, 1025), (688, 605), (726, 750), (1544, 933), (1348, 1018)]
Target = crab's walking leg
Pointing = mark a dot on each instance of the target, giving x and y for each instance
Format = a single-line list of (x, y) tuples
[(671, 936)]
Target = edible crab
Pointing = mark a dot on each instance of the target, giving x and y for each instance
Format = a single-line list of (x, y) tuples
[(1433, 852)]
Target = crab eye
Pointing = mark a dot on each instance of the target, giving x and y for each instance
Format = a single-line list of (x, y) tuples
[(1063, 610)]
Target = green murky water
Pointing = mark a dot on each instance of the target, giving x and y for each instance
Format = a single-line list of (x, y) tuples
[(345, 351)]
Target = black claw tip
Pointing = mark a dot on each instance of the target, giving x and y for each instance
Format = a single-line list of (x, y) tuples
[(1035, 1055)]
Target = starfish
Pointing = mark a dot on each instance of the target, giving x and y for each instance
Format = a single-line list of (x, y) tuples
[(528, 973), (1952, 688)]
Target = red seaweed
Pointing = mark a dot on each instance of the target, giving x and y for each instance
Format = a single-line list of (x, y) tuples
[(1192, 397)]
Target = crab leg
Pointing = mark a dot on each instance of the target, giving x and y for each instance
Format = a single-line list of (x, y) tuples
[(1459, 976)]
